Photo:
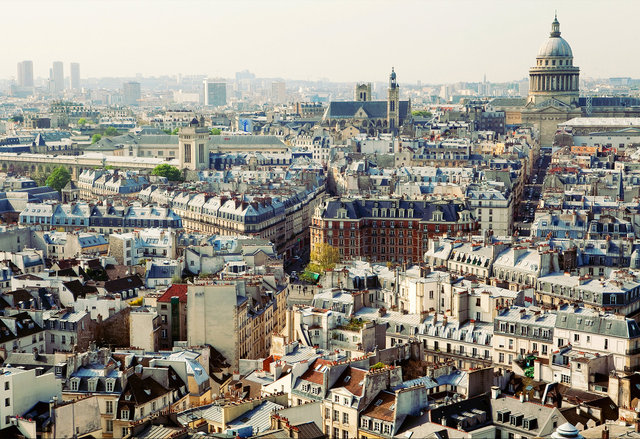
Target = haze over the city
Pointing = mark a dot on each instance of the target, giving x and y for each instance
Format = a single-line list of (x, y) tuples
[(434, 42)]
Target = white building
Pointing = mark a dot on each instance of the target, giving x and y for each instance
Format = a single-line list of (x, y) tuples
[(21, 389)]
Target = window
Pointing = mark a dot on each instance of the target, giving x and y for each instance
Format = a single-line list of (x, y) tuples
[(336, 415), (501, 358), (336, 398), (109, 406), (110, 384), (387, 429), (345, 418), (327, 413), (6, 385), (124, 414), (109, 425), (336, 432), (7, 402), (576, 337), (345, 434), (187, 153), (74, 384)]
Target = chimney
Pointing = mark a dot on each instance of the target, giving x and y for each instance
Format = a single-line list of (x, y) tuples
[(52, 404), (637, 426), (522, 397), (605, 432), (495, 392)]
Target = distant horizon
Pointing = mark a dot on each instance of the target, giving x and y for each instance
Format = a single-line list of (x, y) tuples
[(400, 82), (432, 42)]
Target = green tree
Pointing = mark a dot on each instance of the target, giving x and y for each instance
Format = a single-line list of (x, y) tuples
[(95, 138), (17, 118), (165, 170), (175, 131), (323, 257), (216, 131), (82, 121), (110, 132), (421, 113), (58, 178)]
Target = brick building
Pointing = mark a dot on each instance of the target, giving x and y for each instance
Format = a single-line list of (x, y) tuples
[(387, 229)]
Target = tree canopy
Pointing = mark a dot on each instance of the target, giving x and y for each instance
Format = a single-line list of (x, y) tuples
[(82, 121), (111, 131), (58, 178), (171, 172), (421, 113), (95, 138), (323, 257), (216, 131)]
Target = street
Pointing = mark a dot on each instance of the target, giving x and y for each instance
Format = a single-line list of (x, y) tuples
[(531, 194)]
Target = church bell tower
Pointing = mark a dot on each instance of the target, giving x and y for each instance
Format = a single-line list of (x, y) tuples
[(393, 103)]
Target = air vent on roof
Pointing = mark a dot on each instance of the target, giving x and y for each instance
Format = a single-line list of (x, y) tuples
[(378, 402)]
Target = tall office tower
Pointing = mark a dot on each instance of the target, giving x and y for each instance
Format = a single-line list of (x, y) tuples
[(278, 92), (25, 74), (75, 76), (56, 77), (215, 93), (131, 92)]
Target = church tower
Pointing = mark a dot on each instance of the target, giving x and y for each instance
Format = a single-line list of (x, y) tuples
[(393, 103), (193, 151), (362, 93)]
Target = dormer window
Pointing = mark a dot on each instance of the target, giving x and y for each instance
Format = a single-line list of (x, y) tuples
[(93, 384), (124, 414), (75, 384), (111, 382)]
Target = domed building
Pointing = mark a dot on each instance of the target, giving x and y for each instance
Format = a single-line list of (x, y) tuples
[(554, 76), (554, 92), (554, 88)]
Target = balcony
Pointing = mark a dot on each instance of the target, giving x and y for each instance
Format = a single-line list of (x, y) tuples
[(455, 353)]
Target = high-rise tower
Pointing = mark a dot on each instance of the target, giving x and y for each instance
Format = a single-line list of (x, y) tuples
[(75, 76)]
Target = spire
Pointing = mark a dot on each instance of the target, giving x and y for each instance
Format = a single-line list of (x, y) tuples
[(392, 78), (555, 26)]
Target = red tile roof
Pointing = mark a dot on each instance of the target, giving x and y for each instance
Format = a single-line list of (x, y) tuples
[(177, 290), (315, 376), (355, 382)]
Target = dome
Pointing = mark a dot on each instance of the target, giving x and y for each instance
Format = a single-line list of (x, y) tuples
[(555, 46), (566, 431)]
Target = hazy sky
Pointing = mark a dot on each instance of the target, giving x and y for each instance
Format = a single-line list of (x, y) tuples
[(344, 40)]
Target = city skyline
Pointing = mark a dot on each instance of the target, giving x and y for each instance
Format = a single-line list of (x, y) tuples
[(342, 44)]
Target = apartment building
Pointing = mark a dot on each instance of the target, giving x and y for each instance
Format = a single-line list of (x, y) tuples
[(386, 230), (236, 317)]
